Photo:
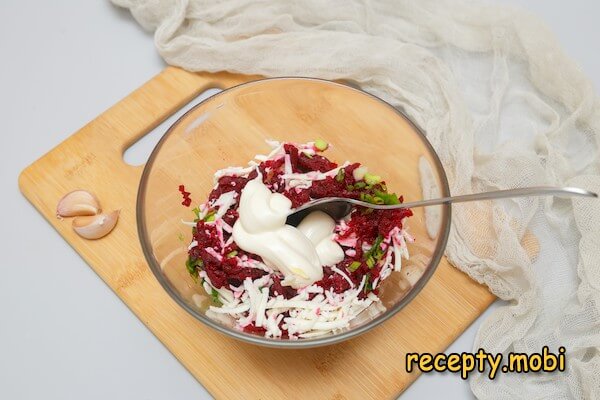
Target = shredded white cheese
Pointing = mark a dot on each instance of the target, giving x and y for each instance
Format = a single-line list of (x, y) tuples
[(233, 171), (224, 202)]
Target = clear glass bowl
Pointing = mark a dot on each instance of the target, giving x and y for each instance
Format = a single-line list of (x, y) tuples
[(231, 127)]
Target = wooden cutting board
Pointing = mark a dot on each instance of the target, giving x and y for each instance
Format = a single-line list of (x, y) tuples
[(370, 366)]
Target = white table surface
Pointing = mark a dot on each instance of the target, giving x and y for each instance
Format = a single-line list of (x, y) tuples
[(63, 333)]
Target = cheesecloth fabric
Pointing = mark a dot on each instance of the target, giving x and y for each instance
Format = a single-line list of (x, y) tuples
[(503, 106)]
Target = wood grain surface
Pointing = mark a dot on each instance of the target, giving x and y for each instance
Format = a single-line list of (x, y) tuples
[(370, 366)]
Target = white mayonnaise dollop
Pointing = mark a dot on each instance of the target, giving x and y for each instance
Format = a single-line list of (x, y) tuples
[(298, 253), (318, 228)]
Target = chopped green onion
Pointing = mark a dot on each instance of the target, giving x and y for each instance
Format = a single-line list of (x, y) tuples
[(378, 200), (189, 265), (372, 179), (354, 266), (308, 155), (210, 215), (340, 175), (368, 284), (210, 218), (360, 185), (378, 241), (192, 266), (232, 254), (196, 211), (215, 297), (392, 199), (370, 262), (376, 246), (383, 187), (378, 253), (388, 198), (350, 188), (366, 197), (321, 145)]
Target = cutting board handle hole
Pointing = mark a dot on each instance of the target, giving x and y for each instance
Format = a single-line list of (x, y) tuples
[(138, 153)]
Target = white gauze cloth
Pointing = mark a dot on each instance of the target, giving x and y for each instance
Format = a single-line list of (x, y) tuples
[(504, 108)]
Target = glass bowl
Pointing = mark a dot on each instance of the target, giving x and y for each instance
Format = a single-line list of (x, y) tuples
[(231, 127)]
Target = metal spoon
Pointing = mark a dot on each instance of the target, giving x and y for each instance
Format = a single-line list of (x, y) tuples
[(339, 207)]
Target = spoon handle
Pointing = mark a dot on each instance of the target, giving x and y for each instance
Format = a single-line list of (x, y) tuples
[(501, 194), (339, 207)]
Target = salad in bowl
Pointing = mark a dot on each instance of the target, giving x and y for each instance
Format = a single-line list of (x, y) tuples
[(235, 265), (272, 279)]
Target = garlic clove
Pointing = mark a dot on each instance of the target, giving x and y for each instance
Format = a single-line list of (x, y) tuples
[(78, 202), (96, 226)]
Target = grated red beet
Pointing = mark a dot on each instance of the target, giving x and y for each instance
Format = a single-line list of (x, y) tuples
[(297, 198), (255, 329), (365, 225), (332, 280), (187, 201), (278, 289)]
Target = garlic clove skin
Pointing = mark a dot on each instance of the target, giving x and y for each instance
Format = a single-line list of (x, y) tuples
[(76, 203), (96, 226)]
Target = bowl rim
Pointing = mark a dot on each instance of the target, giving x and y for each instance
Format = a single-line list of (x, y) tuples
[(301, 343)]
